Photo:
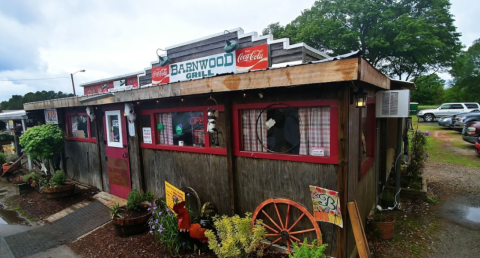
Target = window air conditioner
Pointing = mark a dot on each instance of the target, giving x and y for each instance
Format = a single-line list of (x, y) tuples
[(393, 103)]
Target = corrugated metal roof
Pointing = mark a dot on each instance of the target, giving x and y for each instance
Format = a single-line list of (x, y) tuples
[(14, 115)]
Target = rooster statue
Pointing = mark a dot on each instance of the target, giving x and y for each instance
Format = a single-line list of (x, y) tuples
[(196, 231)]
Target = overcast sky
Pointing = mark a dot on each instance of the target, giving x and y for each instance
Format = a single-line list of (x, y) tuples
[(53, 38)]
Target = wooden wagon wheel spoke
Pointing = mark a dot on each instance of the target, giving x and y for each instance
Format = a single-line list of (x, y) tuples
[(302, 231), (271, 220), (267, 226), (287, 234), (305, 244), (278, 213)]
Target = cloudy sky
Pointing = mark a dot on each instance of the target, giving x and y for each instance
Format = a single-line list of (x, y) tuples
[(53, 38)]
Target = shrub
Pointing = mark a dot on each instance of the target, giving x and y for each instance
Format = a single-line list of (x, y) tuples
[(2, 157), (305, 251), (235, 236), (11, 157), (43, 141), (164, 227), (17, 180), (58, 179), (134, 199), (36, 178), (418, 157), (114, 211)]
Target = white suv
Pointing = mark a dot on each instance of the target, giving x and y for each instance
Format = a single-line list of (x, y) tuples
[(446, 109)]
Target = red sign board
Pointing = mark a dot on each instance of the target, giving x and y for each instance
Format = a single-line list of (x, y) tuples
[(252, 58), (160, 75)]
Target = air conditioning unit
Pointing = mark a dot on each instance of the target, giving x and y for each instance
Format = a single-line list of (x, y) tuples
[(393, 103)]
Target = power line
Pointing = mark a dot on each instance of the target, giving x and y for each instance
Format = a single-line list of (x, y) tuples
[(34, 79)]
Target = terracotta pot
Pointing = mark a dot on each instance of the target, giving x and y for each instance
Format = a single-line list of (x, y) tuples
[(5, 168), (384, 229), (59, 192), (131, 226)]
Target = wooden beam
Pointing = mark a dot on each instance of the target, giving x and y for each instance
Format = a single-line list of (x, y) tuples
[(358, 230), (342, 168), (230, 155), (66, 102), (370, 75)]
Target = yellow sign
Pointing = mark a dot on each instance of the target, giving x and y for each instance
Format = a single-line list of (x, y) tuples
[(171, 192), (326, 205)]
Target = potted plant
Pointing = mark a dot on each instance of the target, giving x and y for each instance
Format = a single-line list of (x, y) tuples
[(57, 187), (20, 186), (132, 219), (9, 160), (388, 198), (43, 142), (33, 179), (383, 223)]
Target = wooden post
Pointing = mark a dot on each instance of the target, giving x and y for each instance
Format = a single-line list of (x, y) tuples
[(342, 183), (98, 117), (230, 156)]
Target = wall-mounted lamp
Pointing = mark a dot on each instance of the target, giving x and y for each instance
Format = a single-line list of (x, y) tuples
[(181, 99), (164, 60), (230, 45), (360, 98)]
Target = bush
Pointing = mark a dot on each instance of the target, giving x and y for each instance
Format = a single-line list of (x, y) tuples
[(164, 227), (17, 180), (305, 251), (235, 236), (11, 157), (58, 179), (36, 178), (43, 141), (135, 198), (2, 157)]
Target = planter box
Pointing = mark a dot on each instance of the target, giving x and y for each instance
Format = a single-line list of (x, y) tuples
[(131, 226), (21, 189), (59, 192), (413, 193)]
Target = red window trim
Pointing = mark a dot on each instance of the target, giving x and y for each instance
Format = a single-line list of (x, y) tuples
[(370, 160), (207, 149), (68, 128), (332, 159)]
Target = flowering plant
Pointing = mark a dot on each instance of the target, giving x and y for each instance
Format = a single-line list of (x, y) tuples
[(163, 226), (418, 155)]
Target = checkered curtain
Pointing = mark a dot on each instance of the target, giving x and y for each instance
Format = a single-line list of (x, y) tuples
[(249, 118), (165, 136), (314, 129)]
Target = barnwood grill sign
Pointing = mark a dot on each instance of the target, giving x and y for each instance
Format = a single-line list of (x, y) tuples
[(242, 60)]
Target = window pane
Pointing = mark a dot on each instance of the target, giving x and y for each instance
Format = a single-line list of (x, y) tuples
[(250, 134), (457, 106), (445, 107), (283, 130), (187, 129), (163, 125), (114, 129), (144, 123), (218, 140), (471, 105), (79, 127)]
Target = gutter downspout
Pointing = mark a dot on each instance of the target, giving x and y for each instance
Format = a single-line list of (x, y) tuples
[(398, 152)]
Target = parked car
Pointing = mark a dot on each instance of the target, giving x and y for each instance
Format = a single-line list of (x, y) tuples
[(445, 121), (446, 109), (471, 132), (459, 120)]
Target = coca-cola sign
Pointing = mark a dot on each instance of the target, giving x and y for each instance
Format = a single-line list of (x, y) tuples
[(160, 75), (252, 58)]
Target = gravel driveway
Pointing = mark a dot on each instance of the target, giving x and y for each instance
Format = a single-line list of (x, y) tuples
[(459, 234)]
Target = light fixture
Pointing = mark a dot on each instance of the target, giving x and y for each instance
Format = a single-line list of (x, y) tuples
[(360, 98), (73, 84), (158, 101), (138, 102), (164, 60), (181, 99), (230, 45), (244, 94)]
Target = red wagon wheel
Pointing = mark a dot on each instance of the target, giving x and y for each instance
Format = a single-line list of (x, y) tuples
[(286, 222)]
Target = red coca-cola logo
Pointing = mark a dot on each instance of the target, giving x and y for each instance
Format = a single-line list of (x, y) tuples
[(252, 58), (161, 73)]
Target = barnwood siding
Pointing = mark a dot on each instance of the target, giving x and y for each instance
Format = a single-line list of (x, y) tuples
[(205, 173), (82, 161), (102, 144), (260, 179), (146, 79)]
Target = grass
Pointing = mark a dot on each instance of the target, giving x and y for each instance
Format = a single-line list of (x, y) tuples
[(441, 150), (421, 107)]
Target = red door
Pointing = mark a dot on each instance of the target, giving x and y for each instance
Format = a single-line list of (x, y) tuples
[(117, 153)]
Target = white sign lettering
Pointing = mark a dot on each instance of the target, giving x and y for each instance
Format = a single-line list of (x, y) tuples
[(147, 135), (203, 67)]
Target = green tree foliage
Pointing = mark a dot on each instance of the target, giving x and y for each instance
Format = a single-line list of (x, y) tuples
[(466, 73), (403, 38), (43, 141), (17, 101), (429, 90)]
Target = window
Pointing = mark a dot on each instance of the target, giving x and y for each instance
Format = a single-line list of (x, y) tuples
[(79, 127), (446, 106), (114, 128), (456, 106), (367, 138), (183, 129), (297, 131), (471, 105)]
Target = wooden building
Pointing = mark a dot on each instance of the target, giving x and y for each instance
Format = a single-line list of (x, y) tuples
[(287, 119)]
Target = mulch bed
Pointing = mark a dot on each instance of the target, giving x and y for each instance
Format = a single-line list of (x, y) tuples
[(104, 243), (37, 207)]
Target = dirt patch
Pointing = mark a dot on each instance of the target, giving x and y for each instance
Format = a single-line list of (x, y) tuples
[(36, 207), (104, 243), (452, 142)]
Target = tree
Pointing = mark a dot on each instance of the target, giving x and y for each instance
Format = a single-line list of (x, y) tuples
[(429, 90), (17, 101), (403, 38), (466, 73)]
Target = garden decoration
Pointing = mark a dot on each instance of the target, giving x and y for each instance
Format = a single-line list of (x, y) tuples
[(212, 115), (43, 141), (57, 187), (133, 218), (12, 163), (183, 217), (286, 222)]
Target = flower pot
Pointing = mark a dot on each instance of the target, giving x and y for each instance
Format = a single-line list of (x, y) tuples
[(385, 228), (59, 192), (131, 226), (21, 189)]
